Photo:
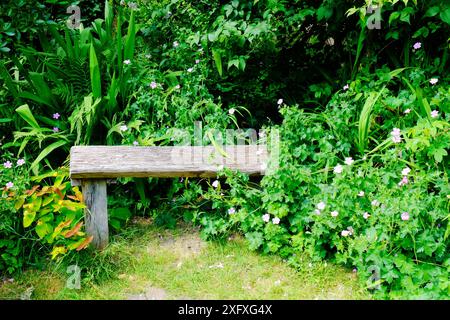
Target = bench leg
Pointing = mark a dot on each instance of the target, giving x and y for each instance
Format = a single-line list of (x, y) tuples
[(96, 212)]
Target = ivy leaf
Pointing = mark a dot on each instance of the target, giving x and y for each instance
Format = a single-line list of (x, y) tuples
[(445, 16)]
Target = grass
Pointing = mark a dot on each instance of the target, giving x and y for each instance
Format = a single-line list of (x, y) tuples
[(152, 263)]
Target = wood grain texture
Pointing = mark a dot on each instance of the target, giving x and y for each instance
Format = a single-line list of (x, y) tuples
[(89, 162), (96, 212)]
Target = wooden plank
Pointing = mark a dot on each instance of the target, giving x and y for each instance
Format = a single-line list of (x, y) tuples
[(180, 161), (96, 212)]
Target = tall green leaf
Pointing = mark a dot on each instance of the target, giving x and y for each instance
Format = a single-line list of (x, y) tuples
[(26, 114), (130, 41), (364, 120), (44, 153), (218, 60), (95, 73)]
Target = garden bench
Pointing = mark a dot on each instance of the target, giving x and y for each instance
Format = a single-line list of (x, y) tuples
[(91, 166)]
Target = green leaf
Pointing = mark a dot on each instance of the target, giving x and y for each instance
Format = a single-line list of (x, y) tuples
[(42, 229), (95, 73), (26, 114), (130, 42), (218, 60), (439, 154), (431, 12), (445, 15), (120, 213), (44, 153), (28, 218)]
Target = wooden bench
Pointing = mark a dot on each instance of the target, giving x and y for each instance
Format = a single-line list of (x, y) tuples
[(91, 166)]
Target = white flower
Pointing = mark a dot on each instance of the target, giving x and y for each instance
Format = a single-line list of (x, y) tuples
[(396, 135), (321, 205), (334, 213), (434, 114), (346, 87), (406, 171), (349, 161), (338, 169), (280, 101), (407, 111), (366, 215), (123, 128), (175, 44), (266, 217), (231, 111), (153, 85), (177, 86), (375, 203), (190, 70), (433, 81), (148, 56), (127, 62), (345, 233), (231, 211), (276, 220), (215, 184), (361, 194), (197, 61), (317, 211)]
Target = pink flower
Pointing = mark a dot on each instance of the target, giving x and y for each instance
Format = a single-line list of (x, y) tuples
[(9, 185), (433, 81), (153, 85), (127, 62), (349, 161), (123, 128), (434, 114), (55, 129), (366, 215), (405, 216), (396, 135), (20, 162), (361, 194), (375, 203), (8, 164), (321, 205), (417, 46), (135, 143), (177, 86), (276, 220), (56, 116), (231, 111), (231, 211), (266, 217), (406, 171), (345, 233), (317, 211), (215, 184), (334, 213), (338, 169), (407, 111), (403, 182), (197, 61)]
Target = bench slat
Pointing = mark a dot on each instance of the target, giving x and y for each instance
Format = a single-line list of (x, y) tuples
[(93, 162)]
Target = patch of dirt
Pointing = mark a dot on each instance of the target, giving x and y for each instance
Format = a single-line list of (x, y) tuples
[(151, 293), (184, 246)]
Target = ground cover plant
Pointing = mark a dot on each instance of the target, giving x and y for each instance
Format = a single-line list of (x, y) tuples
[(357, 90)]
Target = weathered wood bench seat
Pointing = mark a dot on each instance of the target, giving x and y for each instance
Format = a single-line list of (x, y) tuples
[(91, 166)]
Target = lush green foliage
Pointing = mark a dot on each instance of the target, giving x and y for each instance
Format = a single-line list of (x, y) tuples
[(363, 115)]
